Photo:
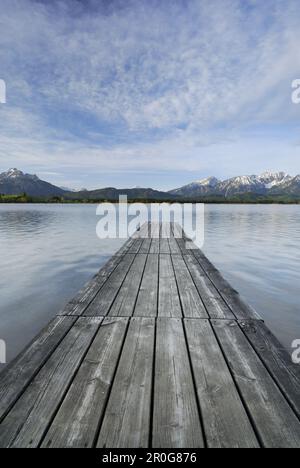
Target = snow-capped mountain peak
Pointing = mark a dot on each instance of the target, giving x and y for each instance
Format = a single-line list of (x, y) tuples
[(13, 173), (268, 182), (243, 180), (208, 182), (273, 179), (268, 177), (15, 182)]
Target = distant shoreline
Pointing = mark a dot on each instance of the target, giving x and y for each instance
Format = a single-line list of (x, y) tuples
[(22, 200)]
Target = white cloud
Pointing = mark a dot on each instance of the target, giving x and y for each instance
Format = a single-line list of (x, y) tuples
[(193, 74)]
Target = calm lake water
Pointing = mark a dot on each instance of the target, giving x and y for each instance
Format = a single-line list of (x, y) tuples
[(49, 251)]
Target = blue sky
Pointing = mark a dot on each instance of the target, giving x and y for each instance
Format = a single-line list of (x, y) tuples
[(149, 93)]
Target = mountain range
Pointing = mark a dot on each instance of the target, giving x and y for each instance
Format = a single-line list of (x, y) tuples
[(113, 194), (268, 183), (15, 182)]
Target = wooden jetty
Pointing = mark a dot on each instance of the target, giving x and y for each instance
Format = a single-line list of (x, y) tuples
[(156, 351)]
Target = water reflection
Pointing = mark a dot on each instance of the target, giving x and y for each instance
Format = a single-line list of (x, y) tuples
[(25, 222), (257, 249), (48, 252)]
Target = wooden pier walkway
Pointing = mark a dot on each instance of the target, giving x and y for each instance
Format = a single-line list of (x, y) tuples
[(157, 350)]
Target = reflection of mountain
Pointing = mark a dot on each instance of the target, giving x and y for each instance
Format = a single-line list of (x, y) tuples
[(15, 182), (265, 184)]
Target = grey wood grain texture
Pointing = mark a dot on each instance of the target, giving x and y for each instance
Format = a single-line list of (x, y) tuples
[(74, 309), (135, 247), (277, 360), (108, 269), (275, 421), (105, 298), (27, 422), (169, 302), (166, 230), (145, 248), (191, 302), (86, 295), (240, 309), (185, 244), (181, 244), (125, 300), (225, 420), (174, 248), (164, 246), (155, 230), (77, 421), (214, 303), (17, 376), (177, 231), (154, 249), (176, 422), (127, 418), (124, 249), (146, 305)]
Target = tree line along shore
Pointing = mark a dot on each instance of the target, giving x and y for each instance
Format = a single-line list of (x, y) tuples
[(247, 198)]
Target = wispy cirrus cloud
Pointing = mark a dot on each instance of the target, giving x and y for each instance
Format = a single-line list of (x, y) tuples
[(148, 85)]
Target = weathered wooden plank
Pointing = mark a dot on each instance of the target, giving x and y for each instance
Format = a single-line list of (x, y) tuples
[(125, 300), (77, 421), (105, 298), (127, 418), (275, 421), (205, 263), (135, 247), (226, 424), (277, 360), (211, 298), (174, 248), (155, 230), (28, 420), (154, 249), (85, 296), (191, 302), (181, 244), (166, 230), (176, 421), (164, 246), (73, 309), (145, 248), (240, 309), (169, 302), (185, 244), (107, 269), (146, 305), (177, 231), (124, 249), (17, 376)]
